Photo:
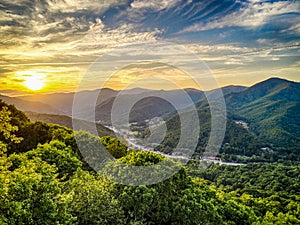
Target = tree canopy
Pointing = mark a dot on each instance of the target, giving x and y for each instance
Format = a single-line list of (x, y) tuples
[(44, 179)]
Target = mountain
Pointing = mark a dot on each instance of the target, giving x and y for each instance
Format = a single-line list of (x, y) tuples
[(272, 109), (145, 109), (151, 106), (25, 105), (64, 101), (237, 141), (233, 89), (227, 90), (263, 115), (12, 93), (263, 120), (135, 91), (148, 104), (66, 121), (271, 89)]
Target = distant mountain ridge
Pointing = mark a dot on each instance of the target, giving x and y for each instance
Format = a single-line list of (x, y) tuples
[(270, 108), (25, 105), (153, 103), (67, 121), (62, 103)]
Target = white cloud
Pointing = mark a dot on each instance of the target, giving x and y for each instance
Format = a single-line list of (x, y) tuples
[(155, 5), (239, 55), (50, 31), (294, 26), (263, 41), (69, 6), (251, 15), (66, 43), (100, 39), (234, 62)]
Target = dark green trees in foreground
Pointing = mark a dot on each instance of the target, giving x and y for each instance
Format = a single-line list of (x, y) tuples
[(44, 180)]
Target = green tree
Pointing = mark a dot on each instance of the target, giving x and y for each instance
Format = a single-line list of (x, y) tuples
[(58, 154), (116, 148), (7, 130), (31, 193), (93, 201)]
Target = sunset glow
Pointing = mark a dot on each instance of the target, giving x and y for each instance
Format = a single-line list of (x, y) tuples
[(34, 82), (242, 42)]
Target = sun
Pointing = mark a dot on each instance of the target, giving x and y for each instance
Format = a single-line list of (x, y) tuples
[(34, 82)]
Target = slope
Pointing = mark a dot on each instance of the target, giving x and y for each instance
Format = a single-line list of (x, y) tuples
[(237, 141), (272, 109), (66, 121), (35, 106), (64, 101)]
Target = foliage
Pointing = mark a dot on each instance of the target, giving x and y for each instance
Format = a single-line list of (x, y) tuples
[(93, 200), (272, 109), (45, 179), (67, 121), (58, 154), (271, 190), (31, 193), (7, 129), (116, 148)]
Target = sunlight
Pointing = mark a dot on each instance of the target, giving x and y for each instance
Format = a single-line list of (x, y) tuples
[(34, 82)]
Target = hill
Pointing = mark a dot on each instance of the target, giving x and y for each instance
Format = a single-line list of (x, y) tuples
[(149, 104), (263, 121), (64, 101), (238, 141), (272, 109), (66, 121), (46, 180), (35, 106)]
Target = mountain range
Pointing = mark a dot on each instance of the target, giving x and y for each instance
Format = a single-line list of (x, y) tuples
[(62, 103), (265, 114)]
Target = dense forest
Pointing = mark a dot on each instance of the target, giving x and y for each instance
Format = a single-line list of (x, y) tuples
[(44, 180)]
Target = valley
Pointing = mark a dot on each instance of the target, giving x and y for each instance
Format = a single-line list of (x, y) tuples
[(256, 118), (251, 179), (149, 112)]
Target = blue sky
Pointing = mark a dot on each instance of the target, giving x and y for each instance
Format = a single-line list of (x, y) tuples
[(242, 42)]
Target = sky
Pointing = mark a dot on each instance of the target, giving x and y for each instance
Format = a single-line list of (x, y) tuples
[(51, 45)]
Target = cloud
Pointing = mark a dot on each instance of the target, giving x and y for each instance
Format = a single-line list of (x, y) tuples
[(105, 38), (52, 39), (61, 38), (155, 5), (71, 6), (292, 25), (252, 14), (226, 54)]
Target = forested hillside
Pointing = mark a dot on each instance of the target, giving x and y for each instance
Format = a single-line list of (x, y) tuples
[(272, 110), (44, 180), (67, 121), (238, 141)]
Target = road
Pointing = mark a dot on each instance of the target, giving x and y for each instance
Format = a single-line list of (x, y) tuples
[(133, 143)]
